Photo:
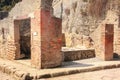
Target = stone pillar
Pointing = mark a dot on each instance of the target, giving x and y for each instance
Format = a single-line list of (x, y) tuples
[(107, 37), (46, 38)]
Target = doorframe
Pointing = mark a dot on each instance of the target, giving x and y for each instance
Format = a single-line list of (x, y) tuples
[(17, 23)]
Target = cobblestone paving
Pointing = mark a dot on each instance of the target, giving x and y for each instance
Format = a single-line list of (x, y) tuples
[(110, 74), (4, 76)]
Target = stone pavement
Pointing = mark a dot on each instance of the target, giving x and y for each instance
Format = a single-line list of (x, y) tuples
[(21, 70), (111, 74), (4, 76)]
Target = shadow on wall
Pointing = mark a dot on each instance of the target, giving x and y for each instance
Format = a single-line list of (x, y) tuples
[(116, 56)]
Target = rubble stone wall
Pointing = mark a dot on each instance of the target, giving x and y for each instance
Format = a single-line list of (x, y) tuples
[(78, 54), (7, 39), (77, 25), (82, 29)]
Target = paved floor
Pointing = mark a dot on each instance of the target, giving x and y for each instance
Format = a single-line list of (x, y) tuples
[(68, 64), (110, 74), (22, 69), (4, 76)]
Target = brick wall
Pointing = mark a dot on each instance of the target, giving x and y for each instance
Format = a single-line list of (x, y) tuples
[(9, 46), (46, 39), (111, 18)]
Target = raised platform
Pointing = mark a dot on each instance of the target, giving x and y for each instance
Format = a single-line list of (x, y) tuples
[(71, 54)]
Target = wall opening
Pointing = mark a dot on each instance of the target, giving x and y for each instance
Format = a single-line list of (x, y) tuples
[(25, 43), (23, 38)]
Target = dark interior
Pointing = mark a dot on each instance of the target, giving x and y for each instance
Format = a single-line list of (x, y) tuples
[(25, 38)]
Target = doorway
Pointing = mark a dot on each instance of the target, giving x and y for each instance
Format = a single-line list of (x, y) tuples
[(23, 38)]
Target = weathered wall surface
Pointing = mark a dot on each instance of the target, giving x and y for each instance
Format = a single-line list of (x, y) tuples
[(78, 54), (22, 9), (82, 29), (77, 24), (111, 17), (46, 33)]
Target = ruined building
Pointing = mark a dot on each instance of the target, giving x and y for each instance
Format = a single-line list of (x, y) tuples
[(31, 29), (37, 29)]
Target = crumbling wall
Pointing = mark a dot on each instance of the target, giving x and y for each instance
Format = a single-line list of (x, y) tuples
[(83, 18), (46, 32), (77, 24), (23, 9), (111, 17)]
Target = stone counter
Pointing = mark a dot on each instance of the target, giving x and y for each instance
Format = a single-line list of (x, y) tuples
[(71, 55)]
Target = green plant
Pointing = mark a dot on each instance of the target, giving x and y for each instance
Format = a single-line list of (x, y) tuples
[(6, 5)]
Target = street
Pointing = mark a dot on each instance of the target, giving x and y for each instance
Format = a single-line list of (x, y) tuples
[(109, 74), (4, 76)]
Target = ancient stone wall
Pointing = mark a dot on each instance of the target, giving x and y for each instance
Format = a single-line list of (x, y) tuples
[(81, 30), (6, 43), (46, 33), (71, 55), (25, 8), (76, 22), (112, 17)]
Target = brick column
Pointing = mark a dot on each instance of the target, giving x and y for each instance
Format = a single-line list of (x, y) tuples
[(46, 37), (107, 37), (51, 40), (46, 40)]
